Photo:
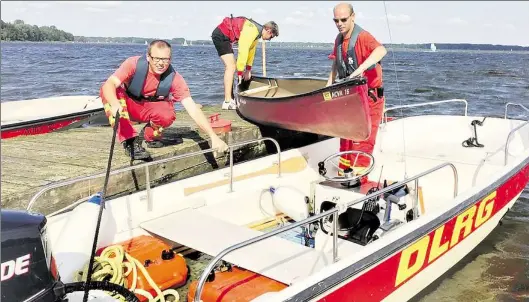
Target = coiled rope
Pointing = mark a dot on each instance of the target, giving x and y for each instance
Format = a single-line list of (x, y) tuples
[(111, 266)]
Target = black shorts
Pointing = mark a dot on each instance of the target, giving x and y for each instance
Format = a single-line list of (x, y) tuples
[(221, 42)]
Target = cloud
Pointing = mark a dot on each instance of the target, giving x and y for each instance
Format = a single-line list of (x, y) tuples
[(294, 21), (154, 22), (259, 11), (456, 21), (108, 4), (400, 19), (38, 4), (299, 18), (509, 26), (361, 16), (95, 9), (124, 20)]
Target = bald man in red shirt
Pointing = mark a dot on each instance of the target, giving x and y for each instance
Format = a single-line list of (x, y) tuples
[(356, 52), (144, 89)]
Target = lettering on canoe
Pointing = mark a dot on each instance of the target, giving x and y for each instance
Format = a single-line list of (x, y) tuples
[(424, 251), (330, 95)]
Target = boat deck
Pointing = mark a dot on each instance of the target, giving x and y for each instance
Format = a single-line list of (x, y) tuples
[(31, 162)]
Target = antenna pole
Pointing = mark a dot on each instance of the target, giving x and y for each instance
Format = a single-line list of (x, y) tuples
[(398, 93)]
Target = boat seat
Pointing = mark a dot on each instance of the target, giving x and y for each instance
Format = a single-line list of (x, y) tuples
[(276, 258)]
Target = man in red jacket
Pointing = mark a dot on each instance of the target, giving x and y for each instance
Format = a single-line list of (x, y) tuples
[(246, 32), (356, 52), (144, 89)]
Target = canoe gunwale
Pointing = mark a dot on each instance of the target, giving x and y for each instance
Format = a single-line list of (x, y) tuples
[(352, 82)]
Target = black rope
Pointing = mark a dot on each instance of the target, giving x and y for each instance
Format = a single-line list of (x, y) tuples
[(101, 207), (473, 141), (102, 285)]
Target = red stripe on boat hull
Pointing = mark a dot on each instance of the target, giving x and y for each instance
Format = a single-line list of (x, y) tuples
[(38, 129), (383, 279)]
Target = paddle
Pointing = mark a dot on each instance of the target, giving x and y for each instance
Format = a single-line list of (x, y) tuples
[(101, 207), (291, 165), (263, 45)]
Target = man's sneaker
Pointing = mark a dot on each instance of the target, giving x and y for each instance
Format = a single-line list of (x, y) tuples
[(134, 149), (230, 105)]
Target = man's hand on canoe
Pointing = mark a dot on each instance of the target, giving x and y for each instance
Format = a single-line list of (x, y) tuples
[(247, 75)]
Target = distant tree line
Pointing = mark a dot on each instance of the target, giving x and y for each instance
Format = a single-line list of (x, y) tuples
[(135, 40), (20, 31)]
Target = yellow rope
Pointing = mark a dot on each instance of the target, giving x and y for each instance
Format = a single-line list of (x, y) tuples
[(112, 267)]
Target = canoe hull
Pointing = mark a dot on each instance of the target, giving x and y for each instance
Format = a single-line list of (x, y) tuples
[(340, 110)]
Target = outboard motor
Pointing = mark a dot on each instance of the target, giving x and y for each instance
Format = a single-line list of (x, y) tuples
[(28, 269), (29, 272)]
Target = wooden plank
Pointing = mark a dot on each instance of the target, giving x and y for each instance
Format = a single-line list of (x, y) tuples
[(71, 156), (41, 169), (24, 180), (85, 147)]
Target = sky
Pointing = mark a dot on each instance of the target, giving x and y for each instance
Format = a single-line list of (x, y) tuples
[(488, 22)]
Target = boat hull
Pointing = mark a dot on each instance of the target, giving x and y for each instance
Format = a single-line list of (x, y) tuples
[(39, 116), (306, 105), (415, 261)]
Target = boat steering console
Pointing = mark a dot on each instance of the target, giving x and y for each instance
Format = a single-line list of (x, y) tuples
[(349, 179)]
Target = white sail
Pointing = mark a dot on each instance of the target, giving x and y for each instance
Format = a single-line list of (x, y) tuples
[(433, 47)]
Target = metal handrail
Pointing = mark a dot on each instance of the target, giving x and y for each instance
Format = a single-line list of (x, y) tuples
[(160, 161), (334, 212), (425, 104), (514, 104), (509, 138)]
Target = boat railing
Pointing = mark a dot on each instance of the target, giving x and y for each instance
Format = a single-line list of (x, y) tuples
[(147, 176), (425, 104), (514, 104), (306, 221), (509, 139)]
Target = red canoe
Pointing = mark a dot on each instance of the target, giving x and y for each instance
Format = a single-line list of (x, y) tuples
[(306, 105)]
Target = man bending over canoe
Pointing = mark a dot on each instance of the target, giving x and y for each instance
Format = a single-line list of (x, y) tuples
[(247, 32), (356, 52), (144, 89)]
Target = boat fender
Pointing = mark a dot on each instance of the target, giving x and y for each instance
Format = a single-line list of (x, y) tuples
[(290, 202), (73, 247)]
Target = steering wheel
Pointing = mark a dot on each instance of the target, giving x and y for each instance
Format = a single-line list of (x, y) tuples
[(348, 173)]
